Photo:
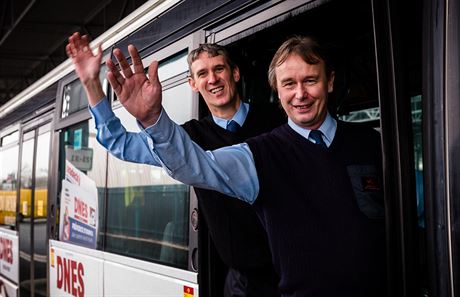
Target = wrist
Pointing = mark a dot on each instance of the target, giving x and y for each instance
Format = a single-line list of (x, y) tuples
[(151, 119), (94, 91)]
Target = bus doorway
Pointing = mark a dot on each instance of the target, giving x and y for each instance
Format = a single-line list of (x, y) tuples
[(32, 215), (378, 84)]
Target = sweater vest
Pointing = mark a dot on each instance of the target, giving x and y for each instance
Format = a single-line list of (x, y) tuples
[(235, 228), (323, 211)]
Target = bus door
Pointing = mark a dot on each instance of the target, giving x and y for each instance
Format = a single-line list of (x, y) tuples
[(32, 214)]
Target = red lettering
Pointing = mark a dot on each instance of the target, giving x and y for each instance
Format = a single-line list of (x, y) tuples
[(73, 174), (6, 250), (81, 273), (74, 278), (60, 275), (81, 209), (66, 275), (70, 275)]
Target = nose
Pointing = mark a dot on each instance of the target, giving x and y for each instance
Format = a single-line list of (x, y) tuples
[(213, 78), (300, 92)]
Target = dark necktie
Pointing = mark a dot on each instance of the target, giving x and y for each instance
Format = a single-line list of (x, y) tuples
[(316, 135), (233, 126)]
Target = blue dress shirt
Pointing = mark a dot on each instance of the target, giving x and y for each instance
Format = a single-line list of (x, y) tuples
[(230, 170), (239, 117)]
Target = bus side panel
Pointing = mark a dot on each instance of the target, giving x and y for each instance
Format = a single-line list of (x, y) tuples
[(138, 282), (8, 288), (9, 256), (74, 273)]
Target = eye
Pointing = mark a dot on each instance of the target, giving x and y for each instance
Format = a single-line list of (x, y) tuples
[(288, 84), (311, 81), (200, 74), (219, 69)]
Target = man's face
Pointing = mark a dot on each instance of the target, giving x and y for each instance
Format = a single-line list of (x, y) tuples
[(216, 82), (303, 89)]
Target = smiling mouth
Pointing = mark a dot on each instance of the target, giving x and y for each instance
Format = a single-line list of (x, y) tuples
[(303, 107), (216, 90)]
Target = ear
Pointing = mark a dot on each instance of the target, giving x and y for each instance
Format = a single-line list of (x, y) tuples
[(236, 73), (330, 82), (192, 84)]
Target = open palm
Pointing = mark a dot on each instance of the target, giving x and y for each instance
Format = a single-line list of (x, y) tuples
[(87, 65), (141, 96)]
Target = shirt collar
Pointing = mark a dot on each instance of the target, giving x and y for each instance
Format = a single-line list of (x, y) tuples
[(328, 128), (239, 116)]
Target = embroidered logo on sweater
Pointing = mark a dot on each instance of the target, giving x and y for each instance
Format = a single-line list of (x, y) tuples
[(370, 184)]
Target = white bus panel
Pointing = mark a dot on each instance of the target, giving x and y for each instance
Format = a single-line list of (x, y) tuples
[(9, 255), (78, 271)]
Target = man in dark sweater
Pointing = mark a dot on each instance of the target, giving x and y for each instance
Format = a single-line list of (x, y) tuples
[(234, 227), (315, 182)]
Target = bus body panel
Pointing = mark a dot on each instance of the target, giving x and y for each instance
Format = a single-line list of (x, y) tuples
[(79, 271), (9, 255)]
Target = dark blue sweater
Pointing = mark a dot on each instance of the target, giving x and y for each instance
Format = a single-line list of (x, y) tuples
[(323, 211), (235, 229)]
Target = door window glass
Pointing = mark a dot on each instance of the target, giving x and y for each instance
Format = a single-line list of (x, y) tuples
[(8, 185), (24, 220), (79, 146)]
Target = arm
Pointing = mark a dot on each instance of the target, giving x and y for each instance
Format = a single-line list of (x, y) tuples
[(124, 145), (229, 170), (111, 134), (87, 66), (141, 96)]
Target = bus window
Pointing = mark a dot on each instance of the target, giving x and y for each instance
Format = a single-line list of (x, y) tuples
[(173, 66), (147, 211), (178, 110), (8, 183), (74, 96)]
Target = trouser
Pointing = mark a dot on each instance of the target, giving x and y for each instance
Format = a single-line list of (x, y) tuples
[(246, 285)]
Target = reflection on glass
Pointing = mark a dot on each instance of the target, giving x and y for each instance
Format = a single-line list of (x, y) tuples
[(25, 199), (40, 207), (147, 213), (8, 185), (78, 145), (416, 107)]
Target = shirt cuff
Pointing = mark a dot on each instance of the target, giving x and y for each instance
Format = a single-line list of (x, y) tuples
[(162, 130), (102, 112)]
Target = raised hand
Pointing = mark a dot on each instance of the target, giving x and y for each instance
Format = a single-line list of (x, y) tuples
[(87, 65), (141, 96)]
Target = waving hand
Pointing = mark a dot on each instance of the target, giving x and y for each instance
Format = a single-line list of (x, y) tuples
[(141, 96)]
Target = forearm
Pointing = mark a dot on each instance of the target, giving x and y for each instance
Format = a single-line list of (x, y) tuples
[(94, 91), (229, 170), (111, 134)]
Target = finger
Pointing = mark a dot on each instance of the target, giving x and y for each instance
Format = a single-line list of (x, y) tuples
[(153, 73), (116, 87), (68, 50), (124, 66), (75, 38), (71, 45), (99, 50), (137, 62), (115, 72), (99, 53), (84, 43)]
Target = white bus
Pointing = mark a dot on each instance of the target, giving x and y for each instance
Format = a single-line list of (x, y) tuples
[(397, 70)]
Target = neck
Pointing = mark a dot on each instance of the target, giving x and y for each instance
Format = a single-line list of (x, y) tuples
[(226, 112)]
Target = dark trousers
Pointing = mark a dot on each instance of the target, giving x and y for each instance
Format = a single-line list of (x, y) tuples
[(239, 284)]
